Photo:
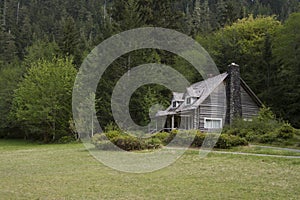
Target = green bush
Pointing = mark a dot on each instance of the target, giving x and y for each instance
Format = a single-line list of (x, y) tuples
[(238, 141), (199, 138), (226, 141), (110, 135), (66, 139), (164, 137), (153, 143), (182, 138), (264, 123), (111, 127), (211, 140), (286, 131), (268, 138), (98, 137), (104, 145), (264, 128), (113, 134), (242, 132), (251, 136), (128, 143)]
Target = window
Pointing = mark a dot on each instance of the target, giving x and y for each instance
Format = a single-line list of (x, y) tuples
[(174, 104), (188, 100), (213, 123)]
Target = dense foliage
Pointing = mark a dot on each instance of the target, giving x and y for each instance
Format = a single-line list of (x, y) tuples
[(195, 137), (124, 141), (248, 32), (42, 102), (264, 128)]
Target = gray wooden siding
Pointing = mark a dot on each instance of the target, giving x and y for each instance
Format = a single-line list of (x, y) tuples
[(249, 107), (213, 107)]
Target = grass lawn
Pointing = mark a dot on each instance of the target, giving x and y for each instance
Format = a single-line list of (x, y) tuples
[(32, 171), (261, 150)]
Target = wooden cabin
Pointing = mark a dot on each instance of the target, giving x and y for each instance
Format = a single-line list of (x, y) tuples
[(210, 104)]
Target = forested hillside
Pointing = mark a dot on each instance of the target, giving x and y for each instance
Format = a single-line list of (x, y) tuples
[(38, 36)]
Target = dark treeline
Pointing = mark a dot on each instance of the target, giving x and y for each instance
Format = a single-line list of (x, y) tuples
[(37, 33)]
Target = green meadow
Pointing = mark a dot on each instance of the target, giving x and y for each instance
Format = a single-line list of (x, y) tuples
[(68, 171)]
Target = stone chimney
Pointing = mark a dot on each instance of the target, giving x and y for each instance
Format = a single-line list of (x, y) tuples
[(233, 93)]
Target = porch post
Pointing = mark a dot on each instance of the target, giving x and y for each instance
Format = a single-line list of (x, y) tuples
[(173, 122)]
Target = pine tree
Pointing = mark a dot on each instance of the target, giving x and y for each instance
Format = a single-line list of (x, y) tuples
[(126, 15), (201, 19), (8, 49), (69, 40), (196, 19), (221, 13)]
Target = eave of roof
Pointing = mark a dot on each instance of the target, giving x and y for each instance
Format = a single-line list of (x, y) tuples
[(251, 93), (200, 90)]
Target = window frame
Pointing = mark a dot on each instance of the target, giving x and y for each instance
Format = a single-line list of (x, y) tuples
[(213, 119), (188, 100), (174, 102)]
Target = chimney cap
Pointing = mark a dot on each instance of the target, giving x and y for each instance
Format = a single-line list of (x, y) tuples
[(234, 64)]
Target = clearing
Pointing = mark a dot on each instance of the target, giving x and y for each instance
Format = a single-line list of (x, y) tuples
[(32, 171)]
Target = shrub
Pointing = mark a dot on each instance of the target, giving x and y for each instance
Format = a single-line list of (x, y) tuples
[(164, 137), (251, 136), (104, 145), (98, 137), (104, 141), (265, 114), (264, 128), (238, 141), (226, 141), (199, 138), (66, 140), (268, 138), (125, 142), (242, 132), (113, 134), (286, 131), (128, 143), (182, 138), (153, 143), (111, 127), (211, 140)]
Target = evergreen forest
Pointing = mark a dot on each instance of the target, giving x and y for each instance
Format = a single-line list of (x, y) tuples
[(44, 42)]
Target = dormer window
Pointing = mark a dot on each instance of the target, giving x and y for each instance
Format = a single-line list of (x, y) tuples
[(174, 104), (188, 100)]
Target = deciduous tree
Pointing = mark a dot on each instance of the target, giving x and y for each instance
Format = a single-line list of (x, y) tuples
[(42, 103)]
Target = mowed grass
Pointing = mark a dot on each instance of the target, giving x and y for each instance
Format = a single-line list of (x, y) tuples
[(261, 150), (32, 171)]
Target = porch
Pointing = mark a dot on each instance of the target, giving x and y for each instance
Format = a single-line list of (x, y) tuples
[(176, 121)]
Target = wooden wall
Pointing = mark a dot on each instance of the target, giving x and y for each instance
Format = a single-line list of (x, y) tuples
[(213, 107), (249, 107)]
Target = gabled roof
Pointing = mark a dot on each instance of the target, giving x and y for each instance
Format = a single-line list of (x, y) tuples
[(251, 93), (178, 96), (201, 91)]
